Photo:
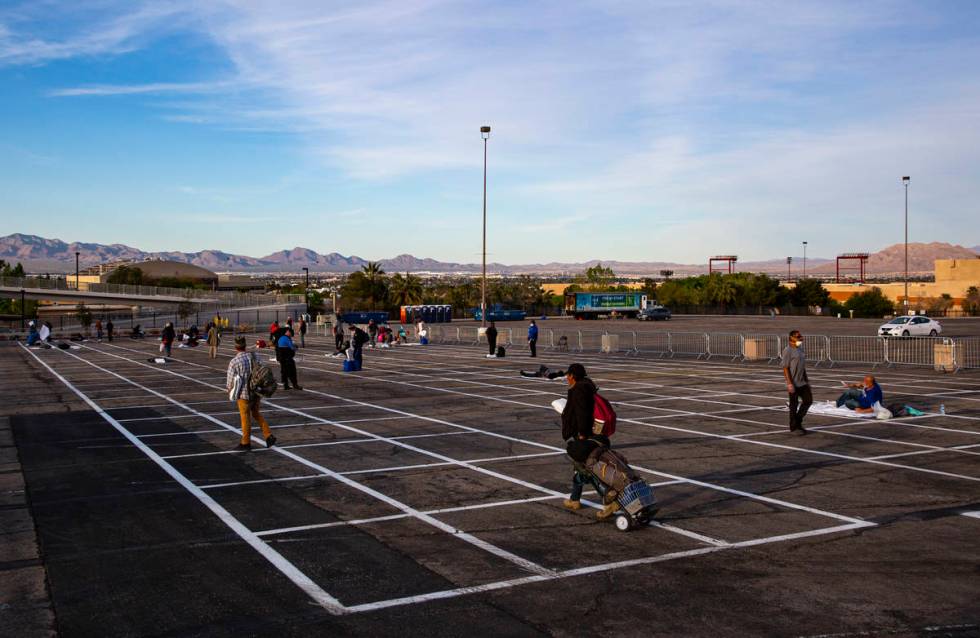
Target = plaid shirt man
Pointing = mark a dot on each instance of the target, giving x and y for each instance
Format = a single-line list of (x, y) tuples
[(236, 381)]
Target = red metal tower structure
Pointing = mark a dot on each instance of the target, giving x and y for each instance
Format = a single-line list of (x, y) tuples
[(731, 259), (861, 258)]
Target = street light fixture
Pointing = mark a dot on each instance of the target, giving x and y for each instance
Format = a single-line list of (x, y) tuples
[(306, 290), (804, 260), (76, 270), (789, 271), (485, 134), (905, 181)]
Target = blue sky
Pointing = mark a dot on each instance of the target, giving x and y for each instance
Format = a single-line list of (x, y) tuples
[(621, 130)]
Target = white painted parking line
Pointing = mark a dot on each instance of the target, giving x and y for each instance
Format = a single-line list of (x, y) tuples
[(284, 567)]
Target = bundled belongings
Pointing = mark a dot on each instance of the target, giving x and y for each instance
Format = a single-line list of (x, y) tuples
[(624, 494)]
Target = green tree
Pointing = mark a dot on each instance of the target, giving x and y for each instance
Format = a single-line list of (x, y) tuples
[(405, 291), (6, 270), (598, 277), (971, 303), (809, 292), (650, 288), (871, 303), (185, 309), (84, 316), (126, 275)]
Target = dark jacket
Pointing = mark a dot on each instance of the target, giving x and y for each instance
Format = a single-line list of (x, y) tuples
[(491, 333), (168, 334), (359, 338), (578, 417)]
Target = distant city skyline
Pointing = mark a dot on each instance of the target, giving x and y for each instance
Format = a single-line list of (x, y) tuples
[(632, 131)]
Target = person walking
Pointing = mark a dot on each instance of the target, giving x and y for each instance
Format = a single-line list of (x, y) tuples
[(797, 383), (286, 353), (167, 336), (302, 332), (98, 329), (236, 382), (532, 338), (214, 338), (108, 330), (492, 338)]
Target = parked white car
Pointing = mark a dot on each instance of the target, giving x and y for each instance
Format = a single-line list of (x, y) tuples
[(910, 326)]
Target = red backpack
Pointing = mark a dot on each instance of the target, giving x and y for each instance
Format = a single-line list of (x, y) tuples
[(605, 417)]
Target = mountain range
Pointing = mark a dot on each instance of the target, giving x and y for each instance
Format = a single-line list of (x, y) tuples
[(39, 254)]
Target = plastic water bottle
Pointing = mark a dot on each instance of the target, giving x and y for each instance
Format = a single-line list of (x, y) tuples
[(942, 408)]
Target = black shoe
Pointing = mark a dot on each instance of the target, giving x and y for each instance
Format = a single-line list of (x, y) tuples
[(285, 387), (270, 440), (297, 387), (798, 432), (243, 447)]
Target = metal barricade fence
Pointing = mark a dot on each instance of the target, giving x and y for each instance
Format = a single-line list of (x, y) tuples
[(566, 340), (920, 351), (470, 335), (757, 347), (688, 343), (724, 344), (652, 343), (817, 349), (590, 340), (967, 352), (847, 349), (518, 337)]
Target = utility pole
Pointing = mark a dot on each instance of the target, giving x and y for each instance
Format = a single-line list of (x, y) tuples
[(485, 134), (905, 181)]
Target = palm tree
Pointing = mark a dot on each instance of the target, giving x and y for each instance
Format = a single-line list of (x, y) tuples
[(405, 291), (374, 277), (373, 271)]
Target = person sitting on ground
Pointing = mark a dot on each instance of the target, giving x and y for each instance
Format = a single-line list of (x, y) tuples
[(861, 397), (32, 334), (236, 382), (402, 335), (577, 421), (543, 372)]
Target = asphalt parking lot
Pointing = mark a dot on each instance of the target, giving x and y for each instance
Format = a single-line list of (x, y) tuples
[(424, 494)]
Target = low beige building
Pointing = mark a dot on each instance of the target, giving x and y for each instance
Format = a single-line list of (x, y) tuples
[(953, 277)]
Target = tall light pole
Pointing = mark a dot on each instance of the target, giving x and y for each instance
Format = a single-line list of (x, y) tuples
[(789, 271), (485, 134), (306, 291), (76, 268), (905, 181), (804, 260)]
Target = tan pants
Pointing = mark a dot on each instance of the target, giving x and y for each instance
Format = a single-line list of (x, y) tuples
[(213, 351), (248, 409)]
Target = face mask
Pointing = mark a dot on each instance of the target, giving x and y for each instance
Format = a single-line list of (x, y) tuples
[(799, 342)]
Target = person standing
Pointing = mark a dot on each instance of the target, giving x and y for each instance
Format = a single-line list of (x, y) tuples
[(108, 330), (372, 331), (98, 329), (797, 384), (302, 332), (357, 340), (492, 338), (236, 382), (273, 330), (167, 336), (214, 338), (338, 336), (286, 353), (532, 338)]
